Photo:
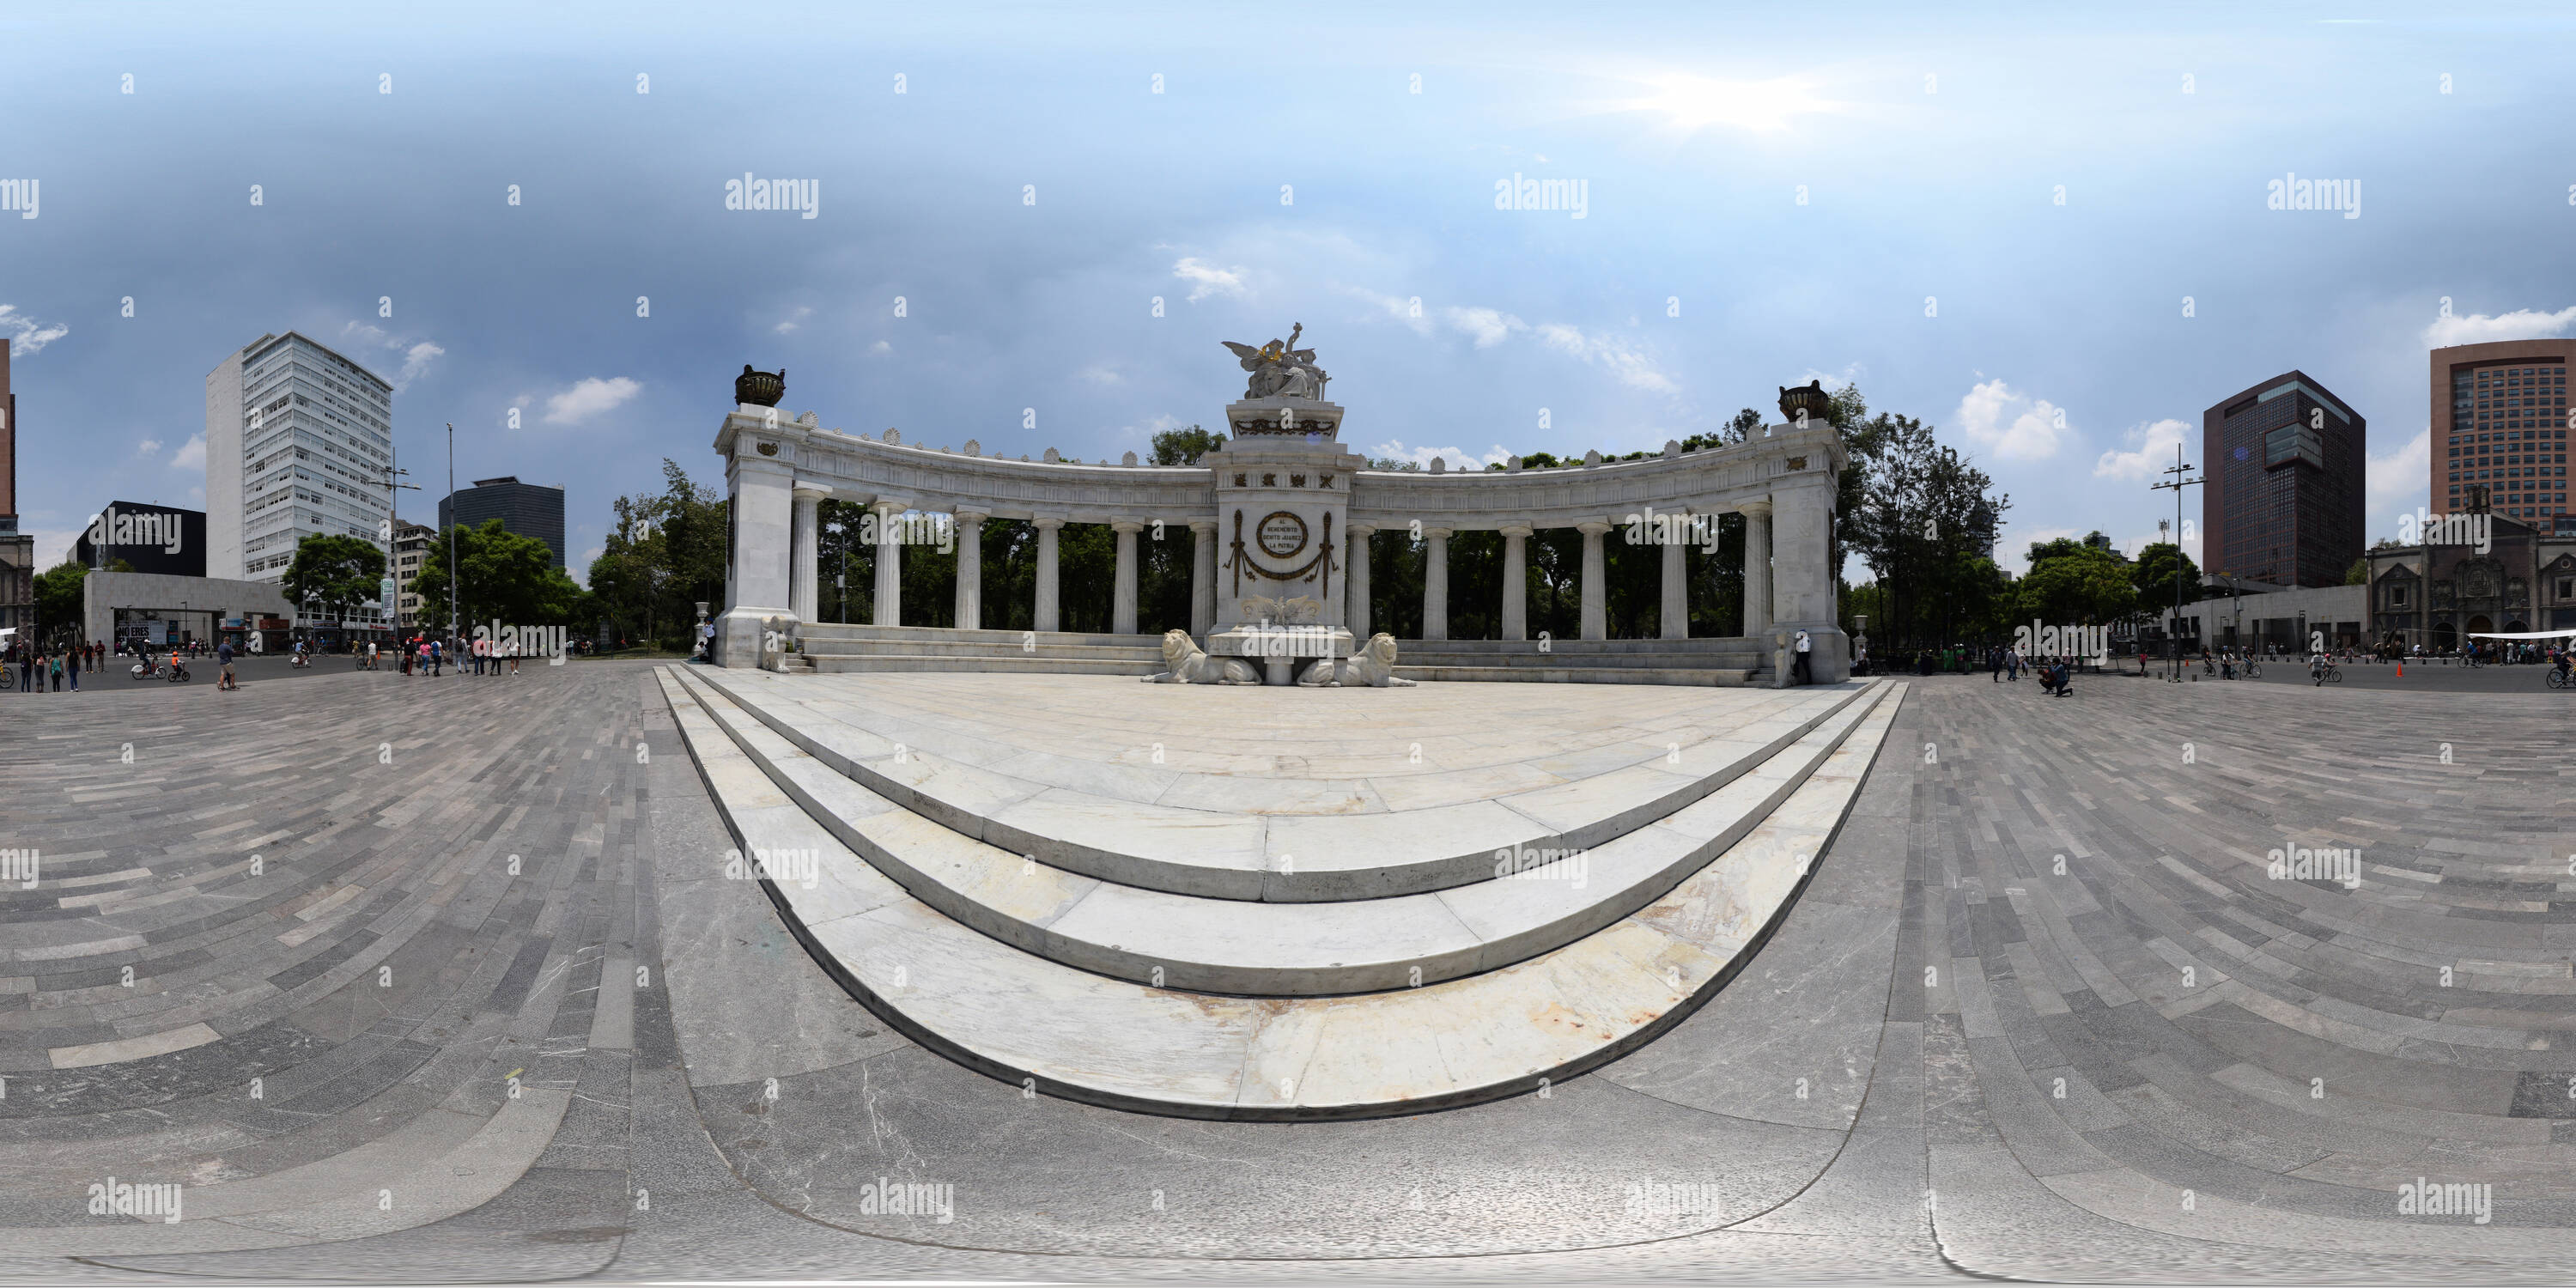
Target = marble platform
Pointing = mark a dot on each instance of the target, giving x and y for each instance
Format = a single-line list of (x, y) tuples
[(1364, 998)]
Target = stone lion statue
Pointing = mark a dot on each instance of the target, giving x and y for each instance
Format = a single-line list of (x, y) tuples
[(1373, 664), (1184, 662)]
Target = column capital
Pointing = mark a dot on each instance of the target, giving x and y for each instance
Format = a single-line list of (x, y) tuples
[(1594, 527), (1754, 509), (890, 504), (1202, 525), (1359, 529), (1517, 530), (1442, 533), (807, 489), (972, 518), (1127, 525), (1047, 522)]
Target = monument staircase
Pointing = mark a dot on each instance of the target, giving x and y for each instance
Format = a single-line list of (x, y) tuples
[(1245, 936), (833, 649)]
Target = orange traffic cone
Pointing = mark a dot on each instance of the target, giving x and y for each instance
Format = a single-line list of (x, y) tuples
[(2401, 670)]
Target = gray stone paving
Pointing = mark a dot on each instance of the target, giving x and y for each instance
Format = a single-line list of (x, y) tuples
[(1933, 986)]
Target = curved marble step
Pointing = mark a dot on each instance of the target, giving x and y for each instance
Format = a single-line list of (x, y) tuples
[(1045, 1026), (1274, 949), (1277, 840)]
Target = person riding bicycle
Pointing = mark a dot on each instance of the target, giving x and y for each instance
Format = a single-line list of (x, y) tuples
[(2317, 665), (2563, 666)]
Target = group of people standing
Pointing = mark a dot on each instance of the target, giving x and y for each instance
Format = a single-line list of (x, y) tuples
[(38, 665)]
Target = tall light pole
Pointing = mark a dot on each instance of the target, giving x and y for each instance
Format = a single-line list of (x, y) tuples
[(451, 530), (2179, 471), (393, 540)]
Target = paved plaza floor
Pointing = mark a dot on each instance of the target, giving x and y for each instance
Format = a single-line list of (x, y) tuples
[(438, 981)]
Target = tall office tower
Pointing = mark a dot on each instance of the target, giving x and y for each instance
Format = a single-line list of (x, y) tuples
[(525, 509), (298, 441), (2499, 428), (2286, 494)]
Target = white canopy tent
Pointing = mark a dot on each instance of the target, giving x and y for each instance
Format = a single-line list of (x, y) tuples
[(2524, 635)]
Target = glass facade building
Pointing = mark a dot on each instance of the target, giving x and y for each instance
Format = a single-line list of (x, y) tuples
[(2285, 501)]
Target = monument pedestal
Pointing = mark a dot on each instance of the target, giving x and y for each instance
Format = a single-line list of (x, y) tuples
[(1282, 651)]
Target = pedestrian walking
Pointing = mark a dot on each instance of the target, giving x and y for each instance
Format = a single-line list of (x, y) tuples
[(77, 651), (56, 663), (224, 655), (1805, 674)]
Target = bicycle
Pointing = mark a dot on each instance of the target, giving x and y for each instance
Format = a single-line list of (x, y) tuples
[(2253, 669), (2556, 679), (8, 678)]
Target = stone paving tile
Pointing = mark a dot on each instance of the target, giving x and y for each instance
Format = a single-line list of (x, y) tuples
[(1939, 959)]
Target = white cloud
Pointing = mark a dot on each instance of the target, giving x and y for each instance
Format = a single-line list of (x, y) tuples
[(2399, 479), (1458, 457), (2155, 452), (793, 320), (416, 354), (2014, 426), (881, 347), (1406, 309), (1490, 326), (1692, 103), (2478, 328), (1630, 364), (191, 454), (26, 335), (1207, 279), (1102, 375), (589, 397), (148, 447)]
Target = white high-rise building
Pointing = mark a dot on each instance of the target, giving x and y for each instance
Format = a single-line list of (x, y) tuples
[(298, 441)]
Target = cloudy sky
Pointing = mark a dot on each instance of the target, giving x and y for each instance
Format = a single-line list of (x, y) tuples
[(1992, 220)]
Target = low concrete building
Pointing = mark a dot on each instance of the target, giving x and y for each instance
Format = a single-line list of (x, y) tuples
[(203, 608), (2241, 613)]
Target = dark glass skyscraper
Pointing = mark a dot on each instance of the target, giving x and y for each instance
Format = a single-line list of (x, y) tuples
[(525, 509), (2286, 469)]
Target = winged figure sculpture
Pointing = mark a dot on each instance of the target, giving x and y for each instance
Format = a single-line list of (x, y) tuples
[(1280, 369)]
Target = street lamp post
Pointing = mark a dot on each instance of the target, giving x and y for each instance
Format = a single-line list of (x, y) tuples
[(2179, 482), (452, 532)]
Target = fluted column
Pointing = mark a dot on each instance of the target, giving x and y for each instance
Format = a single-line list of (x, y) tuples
[(1516, 582), (1122, 593), (1757, 567), (970, 569), (1044, 618), (1596, 614), (1202, 577), (889, 516), (1435, 583), (805, 547), (1355, 581), (1676, 608)]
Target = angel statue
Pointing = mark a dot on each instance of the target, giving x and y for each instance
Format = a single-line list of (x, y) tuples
[(1280, 369)]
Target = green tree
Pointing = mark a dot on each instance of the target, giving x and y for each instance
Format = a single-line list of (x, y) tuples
[(2159, 566), (2359, 573), (59, 603), (331, 572), (506, 578), (665, 551), (1924, 519), (2071, 582), (1184, 446)]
